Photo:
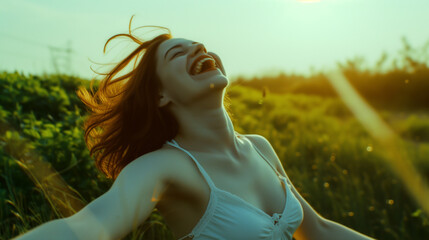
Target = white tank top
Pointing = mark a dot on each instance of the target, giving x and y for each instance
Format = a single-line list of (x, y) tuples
[(230, 217)]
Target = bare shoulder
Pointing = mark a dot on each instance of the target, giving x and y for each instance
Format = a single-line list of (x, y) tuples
[(172, 164), (265, 147), (260, 141), (136, 191)]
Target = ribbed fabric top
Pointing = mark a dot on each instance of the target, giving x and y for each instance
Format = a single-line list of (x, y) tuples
[(230, 217)]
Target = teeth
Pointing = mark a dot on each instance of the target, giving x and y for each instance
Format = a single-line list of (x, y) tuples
[(199, 65)]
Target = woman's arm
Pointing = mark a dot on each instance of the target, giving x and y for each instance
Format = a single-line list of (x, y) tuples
[(313, 225), (114, 214), (333, 231), (56, 229)]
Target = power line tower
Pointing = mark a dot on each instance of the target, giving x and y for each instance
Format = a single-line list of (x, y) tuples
[(61, 58)]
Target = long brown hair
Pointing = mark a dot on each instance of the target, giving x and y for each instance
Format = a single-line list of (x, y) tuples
[(125, 121)]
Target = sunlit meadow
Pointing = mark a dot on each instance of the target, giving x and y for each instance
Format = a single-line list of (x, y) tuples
[(333, 157)]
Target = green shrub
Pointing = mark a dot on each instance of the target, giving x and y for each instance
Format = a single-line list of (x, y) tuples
[(329, 157)]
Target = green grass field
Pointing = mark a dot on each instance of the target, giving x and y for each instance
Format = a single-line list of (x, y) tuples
[(334, 163)]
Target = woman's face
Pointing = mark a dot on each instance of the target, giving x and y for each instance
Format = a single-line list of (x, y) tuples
[(187, 72)]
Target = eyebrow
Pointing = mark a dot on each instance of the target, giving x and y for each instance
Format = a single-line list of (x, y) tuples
[(176, 46)]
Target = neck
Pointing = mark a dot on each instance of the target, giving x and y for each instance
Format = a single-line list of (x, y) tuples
[(207, 131)]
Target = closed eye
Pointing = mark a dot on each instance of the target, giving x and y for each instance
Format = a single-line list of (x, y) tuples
[(177, 54)]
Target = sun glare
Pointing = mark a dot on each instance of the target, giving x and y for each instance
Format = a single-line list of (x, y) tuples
[(389, 140)]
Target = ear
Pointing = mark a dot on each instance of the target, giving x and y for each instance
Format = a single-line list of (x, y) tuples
[(164, 100)]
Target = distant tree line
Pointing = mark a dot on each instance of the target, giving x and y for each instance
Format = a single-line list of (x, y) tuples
[(403, 86)]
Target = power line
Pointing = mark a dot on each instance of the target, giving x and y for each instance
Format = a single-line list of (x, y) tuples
[(37, 43), (61, 58), (17, 53), (31, 42)]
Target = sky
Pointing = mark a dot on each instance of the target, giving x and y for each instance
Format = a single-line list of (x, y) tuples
[(252, 37)]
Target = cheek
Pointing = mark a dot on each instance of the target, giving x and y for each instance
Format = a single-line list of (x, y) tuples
[(176, 79), (168, 74), (179, 66), (174, 82), (177, 73)]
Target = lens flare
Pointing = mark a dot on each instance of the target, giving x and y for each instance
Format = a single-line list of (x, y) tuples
[(394, 154), (64, 200)]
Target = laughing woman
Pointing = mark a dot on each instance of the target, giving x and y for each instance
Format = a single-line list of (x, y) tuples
[(163, 133)]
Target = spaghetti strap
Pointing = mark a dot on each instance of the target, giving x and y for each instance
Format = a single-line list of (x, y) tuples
[(203, 172), (269, 163), (228, 216)]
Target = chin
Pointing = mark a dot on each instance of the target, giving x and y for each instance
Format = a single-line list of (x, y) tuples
[(219, 82)]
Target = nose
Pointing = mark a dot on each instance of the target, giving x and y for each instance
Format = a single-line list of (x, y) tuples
[(196, 48)]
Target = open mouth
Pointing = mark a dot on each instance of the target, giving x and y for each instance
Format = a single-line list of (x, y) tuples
[(202, 64)]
